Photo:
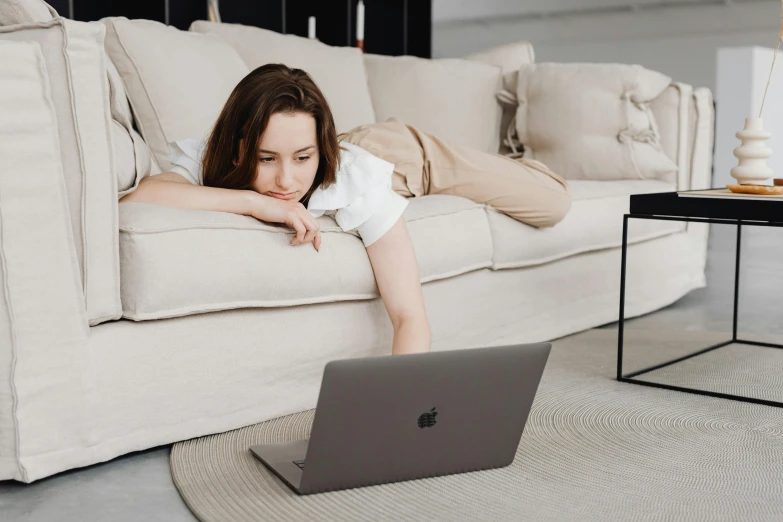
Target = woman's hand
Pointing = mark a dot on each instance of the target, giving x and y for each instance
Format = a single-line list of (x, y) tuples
[(293, 214)]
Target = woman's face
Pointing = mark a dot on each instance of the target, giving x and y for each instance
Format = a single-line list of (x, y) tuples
[(287, 156)]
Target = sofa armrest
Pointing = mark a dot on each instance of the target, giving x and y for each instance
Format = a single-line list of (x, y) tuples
[(702, 139), (685, 121), (43, 321)]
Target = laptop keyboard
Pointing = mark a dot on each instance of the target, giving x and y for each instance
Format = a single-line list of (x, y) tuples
[(299, 463)]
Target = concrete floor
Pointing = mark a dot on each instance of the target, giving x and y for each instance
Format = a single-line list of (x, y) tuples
[(129, 488), (139, 486)]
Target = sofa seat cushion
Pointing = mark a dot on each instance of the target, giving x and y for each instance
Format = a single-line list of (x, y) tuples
[(450, 234), (178, 262), (594, 222)]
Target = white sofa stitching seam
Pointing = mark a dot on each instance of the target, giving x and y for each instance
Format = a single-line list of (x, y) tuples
[(12, 329)]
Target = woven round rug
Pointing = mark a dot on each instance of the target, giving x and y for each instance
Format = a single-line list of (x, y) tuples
[(593, 449)]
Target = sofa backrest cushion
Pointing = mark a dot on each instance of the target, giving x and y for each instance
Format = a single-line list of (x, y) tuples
[(177, 81), (13, 12), (593, 121), (453, 99), (76, 65), (338, 71)]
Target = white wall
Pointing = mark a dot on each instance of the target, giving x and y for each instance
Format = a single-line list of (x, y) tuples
[(680, 41), (742, 77), (451, 10)]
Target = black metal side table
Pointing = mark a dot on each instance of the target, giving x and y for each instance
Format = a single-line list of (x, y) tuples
[(669, 206)]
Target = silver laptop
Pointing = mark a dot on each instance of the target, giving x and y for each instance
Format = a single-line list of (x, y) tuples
[(393, 418)]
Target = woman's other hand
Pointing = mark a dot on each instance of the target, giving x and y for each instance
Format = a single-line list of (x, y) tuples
[(293, 214)]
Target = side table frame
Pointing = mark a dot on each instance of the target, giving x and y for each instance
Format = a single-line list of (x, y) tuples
[(632, 377)]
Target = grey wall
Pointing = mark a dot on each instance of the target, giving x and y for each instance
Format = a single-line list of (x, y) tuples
[(679, 39)]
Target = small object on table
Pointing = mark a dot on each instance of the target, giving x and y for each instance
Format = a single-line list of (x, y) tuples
[(762, 190), (360, 25), (752, 168), (311, 28)]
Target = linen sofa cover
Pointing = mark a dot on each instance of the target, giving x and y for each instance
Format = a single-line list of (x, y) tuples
[(13, 12), (168, 272), (179, 262), (674, 109), (595, 222), (133, 159), (177, 82), (509, 57), (144, 384), (451, 98), (338, 71), (43, 324), (76, 65), (593, 120), (72, 396)]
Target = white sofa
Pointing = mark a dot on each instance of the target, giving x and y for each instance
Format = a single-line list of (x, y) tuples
[(107, 346)]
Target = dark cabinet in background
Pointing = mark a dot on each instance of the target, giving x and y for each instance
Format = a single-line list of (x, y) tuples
[(392, 27)]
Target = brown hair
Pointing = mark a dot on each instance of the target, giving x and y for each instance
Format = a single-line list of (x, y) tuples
[(267, 90)]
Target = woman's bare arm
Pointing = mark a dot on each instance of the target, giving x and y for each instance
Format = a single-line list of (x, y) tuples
[(172, 190), (396, 269)]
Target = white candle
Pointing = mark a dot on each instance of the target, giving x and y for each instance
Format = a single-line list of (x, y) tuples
[(311, 27), (360, 20)]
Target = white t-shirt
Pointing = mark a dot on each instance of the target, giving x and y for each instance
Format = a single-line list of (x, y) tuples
[(361, 198)]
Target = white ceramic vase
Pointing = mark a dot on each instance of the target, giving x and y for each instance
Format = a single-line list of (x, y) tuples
[(752, 154)]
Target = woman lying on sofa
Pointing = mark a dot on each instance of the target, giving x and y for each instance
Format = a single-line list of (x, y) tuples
[(274, 154)]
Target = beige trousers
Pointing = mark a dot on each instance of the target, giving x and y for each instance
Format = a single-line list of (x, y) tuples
[(524, 189)]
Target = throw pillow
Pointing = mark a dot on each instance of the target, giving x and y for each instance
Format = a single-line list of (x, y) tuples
[(177, 81), (593, 121)]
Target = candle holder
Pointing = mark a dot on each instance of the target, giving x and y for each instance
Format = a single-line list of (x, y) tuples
[(360, 25)]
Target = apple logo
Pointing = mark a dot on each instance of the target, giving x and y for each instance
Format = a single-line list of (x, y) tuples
[(427, 419)]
